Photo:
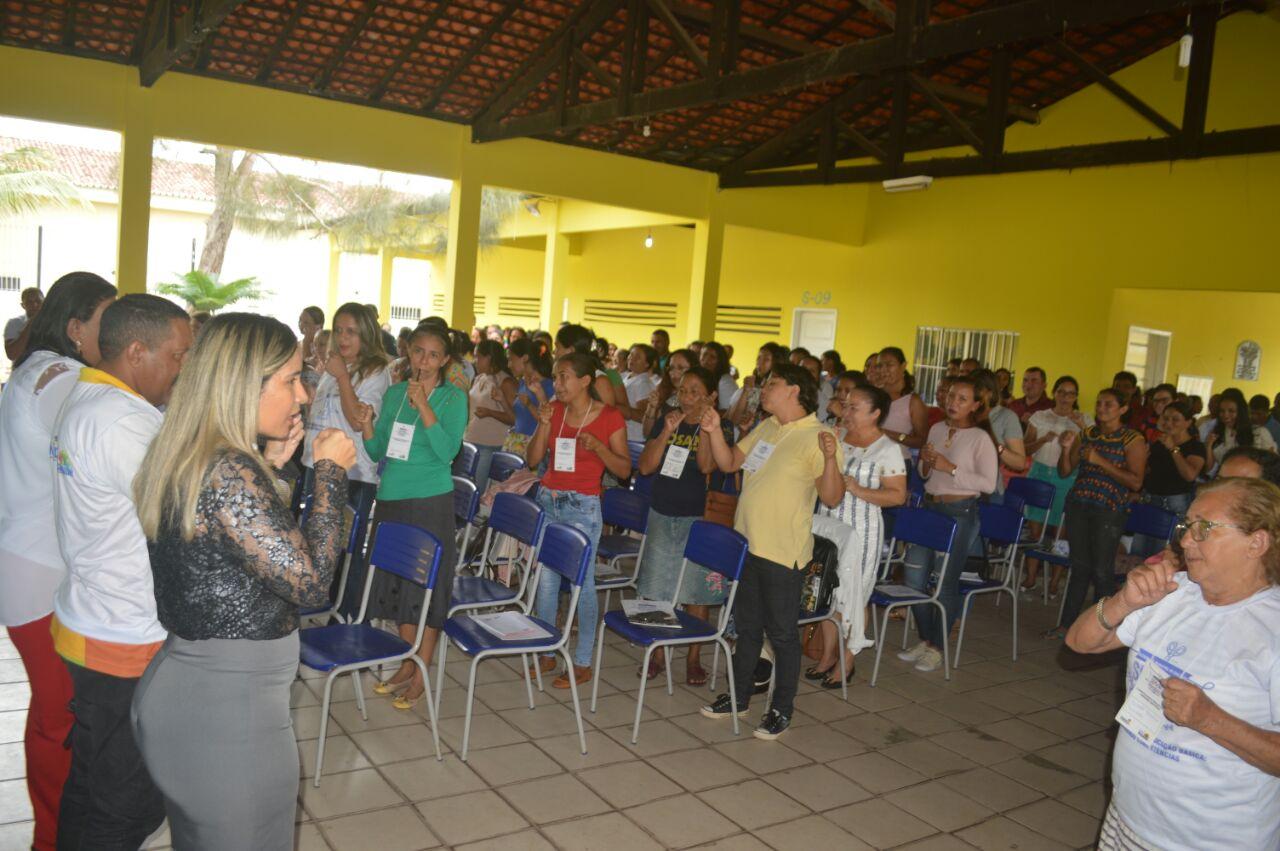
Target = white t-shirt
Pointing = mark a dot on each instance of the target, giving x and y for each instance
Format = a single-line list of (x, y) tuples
[(98, 444), (1046, 423), (31, 566), (1184, 791), (326, 412), (638, 386), (1262, 439), (13, 328)]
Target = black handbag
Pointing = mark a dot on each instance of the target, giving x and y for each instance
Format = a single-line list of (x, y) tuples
[(821, 576)]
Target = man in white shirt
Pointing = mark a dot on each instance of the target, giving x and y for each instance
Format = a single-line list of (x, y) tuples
[(104, 613), (15, 330)]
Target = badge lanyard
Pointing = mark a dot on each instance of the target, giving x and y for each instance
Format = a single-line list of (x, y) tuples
[(566, 448), (761, 452), (402, 433), (677, 457)]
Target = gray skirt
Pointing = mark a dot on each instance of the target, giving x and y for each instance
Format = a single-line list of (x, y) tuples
[(399, 600), (212, 721)]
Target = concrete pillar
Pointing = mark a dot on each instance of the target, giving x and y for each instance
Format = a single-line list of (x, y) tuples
[(335, 265), (387, 256), (554, 271), (704, 279), (462, 255), (135, 198)]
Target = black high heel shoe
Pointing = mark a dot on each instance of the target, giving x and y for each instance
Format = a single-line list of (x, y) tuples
[(829, 683), (814, 674)]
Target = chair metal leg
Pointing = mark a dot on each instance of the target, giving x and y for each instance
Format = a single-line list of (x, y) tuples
[(573, 690), (946, 656), (1014, 595), (882, 635), (595, 680), (324, 727), (964, 618), (431, 706), (715, 665), (667, 655), (733, 692), (355, 683), (644, 681), (471, 695), (440, 660), (528, 678), (844, 677)]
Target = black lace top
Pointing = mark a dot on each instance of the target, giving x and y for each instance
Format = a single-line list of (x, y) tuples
[(249, 567)]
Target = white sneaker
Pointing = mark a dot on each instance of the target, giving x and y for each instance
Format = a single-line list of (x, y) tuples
[(930, 660), (913, 654)]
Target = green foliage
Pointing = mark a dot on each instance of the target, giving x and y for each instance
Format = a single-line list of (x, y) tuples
[(26, 184), (203, 291)]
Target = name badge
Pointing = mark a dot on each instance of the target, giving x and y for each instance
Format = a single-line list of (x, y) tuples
[(566, 458), (759, 454), (1143, 710), (401, 440), (673, 466)]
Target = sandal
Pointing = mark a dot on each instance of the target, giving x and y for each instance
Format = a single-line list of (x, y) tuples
[(1055, 634), (815, 673), (696, 676), (833, 683), (656, 667)]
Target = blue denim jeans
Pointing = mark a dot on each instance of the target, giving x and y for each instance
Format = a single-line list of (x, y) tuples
[(1178, 503), (484, 460), (582, 512), (922, 562)]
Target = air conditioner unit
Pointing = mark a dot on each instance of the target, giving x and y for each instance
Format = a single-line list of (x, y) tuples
[(907, 184)]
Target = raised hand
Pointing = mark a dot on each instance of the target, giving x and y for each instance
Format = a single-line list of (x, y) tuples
[(1148, 584), (1067, 438), (544, 415), (827, 443), (336, 366), (417, 394), (278, 452), (333, 445), (672, 421), (590, 442), (364, 417), (710, 419)]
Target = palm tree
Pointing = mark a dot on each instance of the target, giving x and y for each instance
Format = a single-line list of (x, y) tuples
[(271, 203), (203, 291), (26, 184)]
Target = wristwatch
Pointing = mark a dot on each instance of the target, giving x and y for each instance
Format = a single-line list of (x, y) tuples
[(902, 437), (1175, 451)]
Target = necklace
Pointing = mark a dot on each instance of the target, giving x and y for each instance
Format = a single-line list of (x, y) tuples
[(951, 435)]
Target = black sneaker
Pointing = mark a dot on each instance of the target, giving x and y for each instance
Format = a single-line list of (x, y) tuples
[(722, 708), (772, 725), (762, 676)]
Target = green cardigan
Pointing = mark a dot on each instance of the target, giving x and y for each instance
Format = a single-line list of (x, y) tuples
[(428, 472)]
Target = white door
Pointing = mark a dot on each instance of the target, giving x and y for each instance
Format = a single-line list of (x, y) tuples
[(815, 330)]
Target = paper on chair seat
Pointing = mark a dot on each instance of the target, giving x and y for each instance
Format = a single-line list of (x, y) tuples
[(510, 626), (650, 613), (970, 576)]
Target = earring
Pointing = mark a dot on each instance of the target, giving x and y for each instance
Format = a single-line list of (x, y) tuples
[(78, 344)]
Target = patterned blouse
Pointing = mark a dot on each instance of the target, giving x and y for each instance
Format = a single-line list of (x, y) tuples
[(249, 566), (1092, 485)]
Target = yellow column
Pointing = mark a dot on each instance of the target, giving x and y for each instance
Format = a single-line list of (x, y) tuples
[(459, 284), (554, 270), (135, 196), (335, 265), (384, 291), (704, 281)]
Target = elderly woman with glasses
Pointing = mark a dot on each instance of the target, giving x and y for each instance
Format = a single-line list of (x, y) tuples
[(1197, 757)]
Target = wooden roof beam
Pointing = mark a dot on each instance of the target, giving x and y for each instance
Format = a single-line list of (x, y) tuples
[(905, 48), (1103, 79), (169, 39)]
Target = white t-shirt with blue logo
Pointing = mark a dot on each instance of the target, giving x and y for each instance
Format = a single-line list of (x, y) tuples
[(1184, 791)]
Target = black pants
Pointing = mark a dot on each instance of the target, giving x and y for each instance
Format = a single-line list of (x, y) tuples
[(1093, 533), (109, 801), (768, 602)]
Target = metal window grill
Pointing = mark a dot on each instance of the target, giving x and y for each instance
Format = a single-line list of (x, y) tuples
[(936, 345)]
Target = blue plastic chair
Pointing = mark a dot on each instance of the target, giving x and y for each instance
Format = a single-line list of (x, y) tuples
[(716, 548), (564, 550), (627, 510), (924, 528), (466, 503), (503, 465), (402, 550), (634, 448), (466, 461), (915, 486), (1001, 526)]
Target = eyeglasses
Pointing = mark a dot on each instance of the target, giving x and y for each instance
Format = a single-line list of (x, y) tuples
[(1200, 529)]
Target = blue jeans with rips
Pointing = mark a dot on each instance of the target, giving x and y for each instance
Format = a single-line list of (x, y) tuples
[(582, 512)]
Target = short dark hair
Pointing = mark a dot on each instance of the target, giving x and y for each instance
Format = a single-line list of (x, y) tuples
[(28, 291), (76, 295), (1259, 402), (798, 376), (650, 354), (576, 337), (143, 317), (801, 350), (1267, 461), (660, 332), (1043, 376), (722, 358), (315, 314), (704, 376), (1127, 375)]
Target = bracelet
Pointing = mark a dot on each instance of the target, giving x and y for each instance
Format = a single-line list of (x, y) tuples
[(1101, 619)]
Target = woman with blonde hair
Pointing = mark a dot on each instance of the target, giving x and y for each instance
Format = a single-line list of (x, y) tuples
[(231, 567), (355, 373)]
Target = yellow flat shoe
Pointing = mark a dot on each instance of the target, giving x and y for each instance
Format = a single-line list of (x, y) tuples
[(391, 688), (404, 703)]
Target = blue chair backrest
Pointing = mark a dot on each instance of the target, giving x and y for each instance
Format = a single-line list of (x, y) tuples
[(466, 500), (503, 465), (408, 552), (999, 524), (625, 508), (635, 447), (1150, 520), (565, 550), (717, 548), (915, 485), (643, 485), (464, 463), (1034, 492), (924, 527), (517, 516)]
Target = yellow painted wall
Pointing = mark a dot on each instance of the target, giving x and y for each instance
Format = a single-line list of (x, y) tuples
[(1206, 326)]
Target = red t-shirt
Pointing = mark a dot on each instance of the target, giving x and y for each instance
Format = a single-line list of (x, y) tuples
[(588, 469)]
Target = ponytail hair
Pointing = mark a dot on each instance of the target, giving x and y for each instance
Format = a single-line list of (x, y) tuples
[(908, 380), (583, 366)]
